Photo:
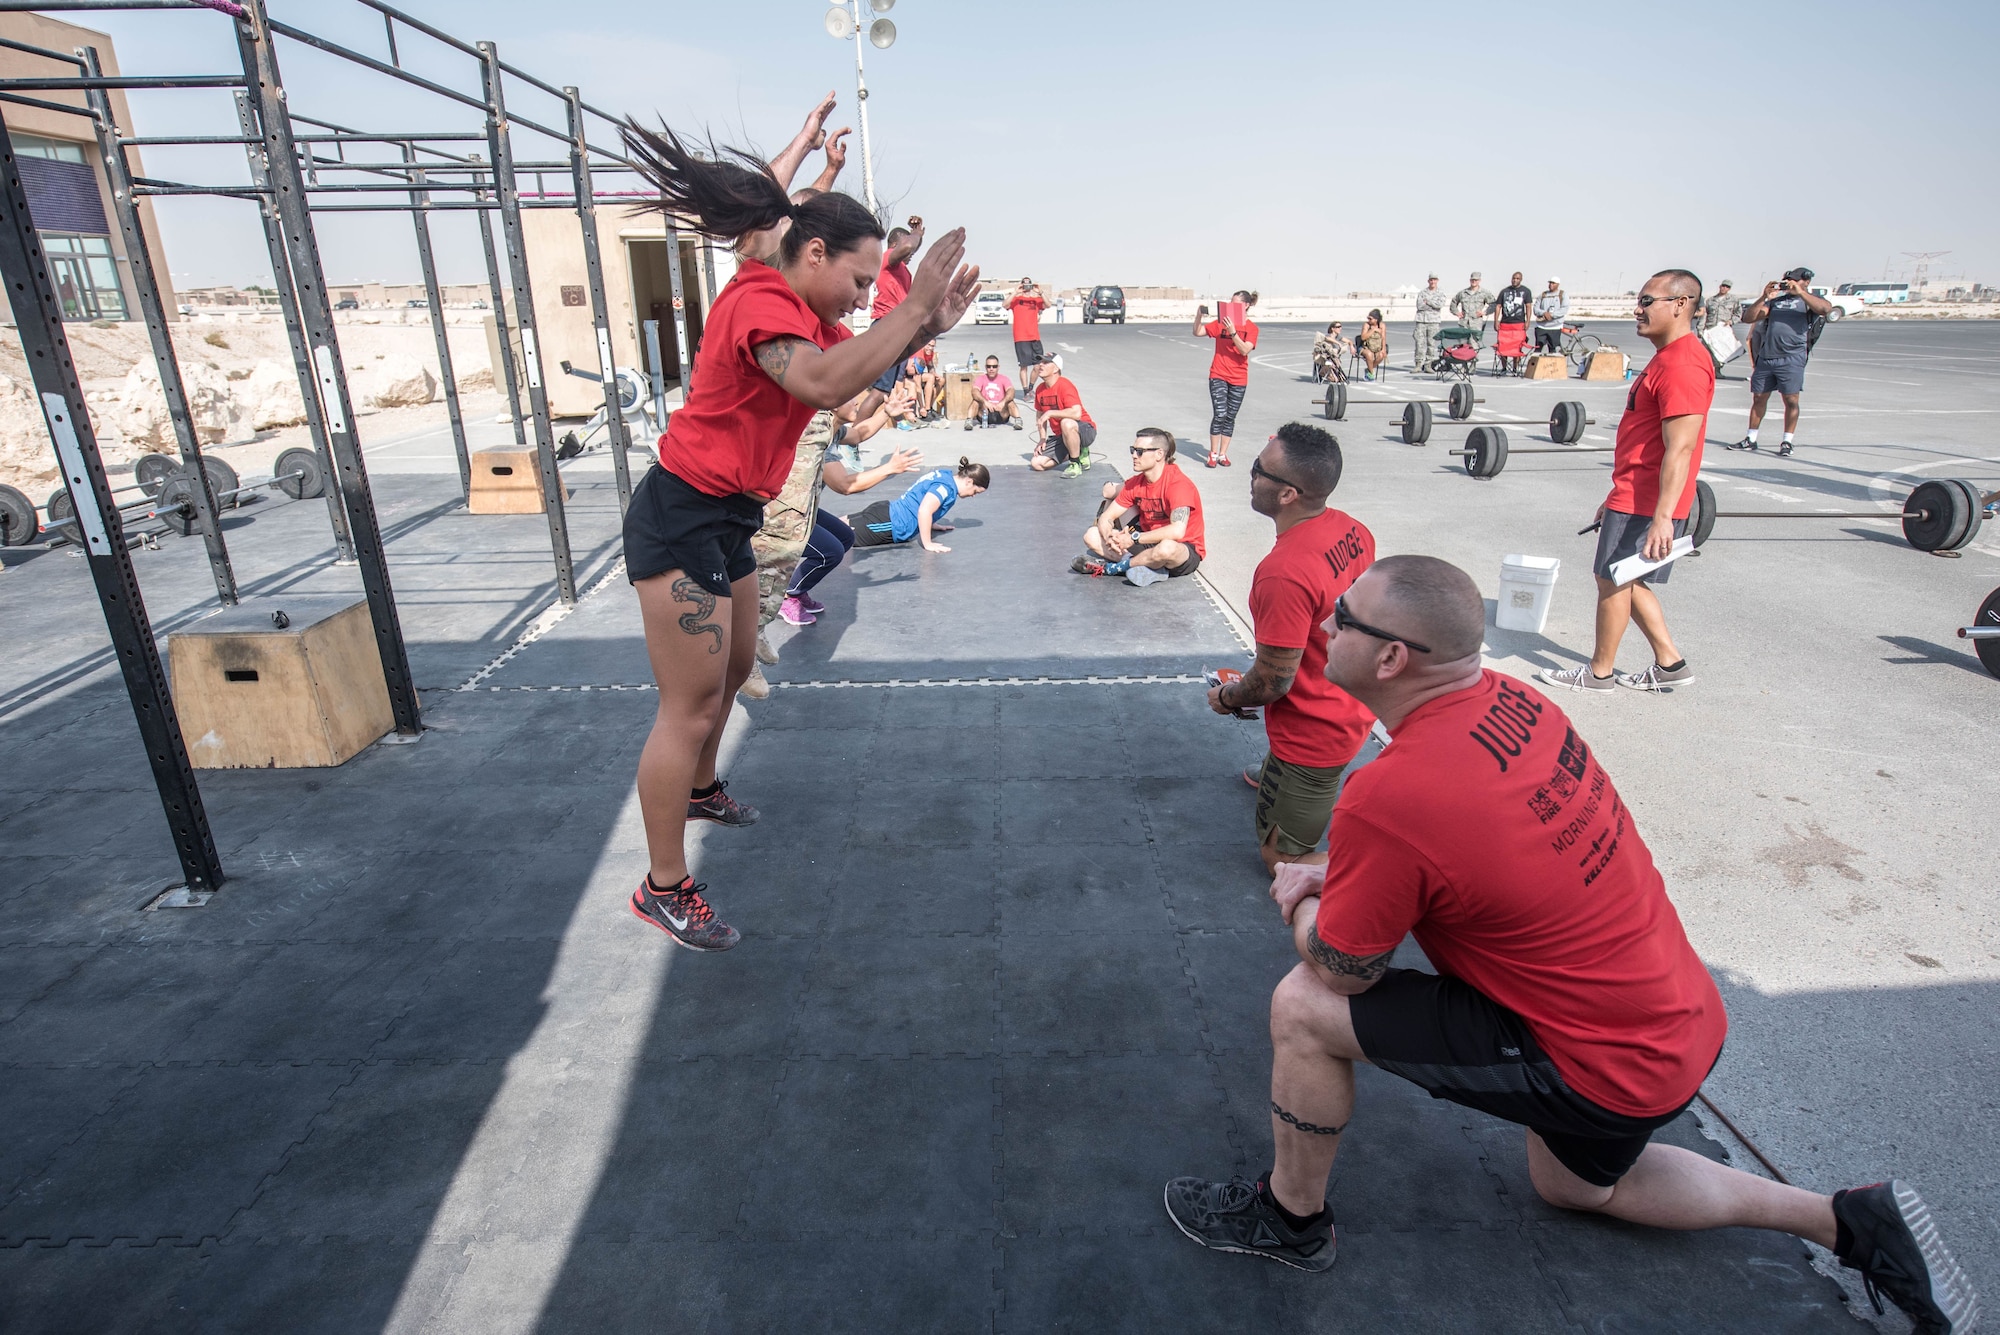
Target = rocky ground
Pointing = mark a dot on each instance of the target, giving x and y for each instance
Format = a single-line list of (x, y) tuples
[(241, 386)]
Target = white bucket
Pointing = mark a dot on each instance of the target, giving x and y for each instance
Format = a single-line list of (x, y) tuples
[(1526, 585)]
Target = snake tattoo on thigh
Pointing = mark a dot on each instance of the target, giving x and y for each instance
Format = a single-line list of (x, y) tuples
[(685, 590)]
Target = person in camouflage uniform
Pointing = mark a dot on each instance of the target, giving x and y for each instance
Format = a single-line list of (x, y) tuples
[(1430, 314), (1720, 309), (1471, 305), (781, 542)]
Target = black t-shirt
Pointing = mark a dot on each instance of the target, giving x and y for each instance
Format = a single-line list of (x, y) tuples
[(1514, 304)]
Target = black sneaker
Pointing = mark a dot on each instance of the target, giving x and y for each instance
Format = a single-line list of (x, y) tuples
[(684, 914), (1744, 444), (721, 808), (1784, 449), (1896, 1247), (1235, 1216)]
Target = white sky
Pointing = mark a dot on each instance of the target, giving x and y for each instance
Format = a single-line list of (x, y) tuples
[(1288, 146)]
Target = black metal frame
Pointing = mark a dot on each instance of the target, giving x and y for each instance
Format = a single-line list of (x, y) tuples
[(285, 168)]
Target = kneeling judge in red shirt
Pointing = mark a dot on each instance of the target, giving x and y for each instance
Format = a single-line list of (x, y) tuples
[(1567, 998)]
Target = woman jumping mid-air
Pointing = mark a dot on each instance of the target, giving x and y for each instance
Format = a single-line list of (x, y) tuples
[(1228, 373), (772, 354)]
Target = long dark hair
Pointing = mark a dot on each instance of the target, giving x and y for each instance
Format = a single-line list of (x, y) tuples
[(730, 192)]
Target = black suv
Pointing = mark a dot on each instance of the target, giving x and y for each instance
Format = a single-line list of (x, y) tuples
[(1104, 303)]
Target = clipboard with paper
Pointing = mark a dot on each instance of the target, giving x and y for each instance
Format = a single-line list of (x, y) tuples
[(1636, 565)]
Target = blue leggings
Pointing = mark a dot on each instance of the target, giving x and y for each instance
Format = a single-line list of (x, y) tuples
[(826, 549), (1225, 399)]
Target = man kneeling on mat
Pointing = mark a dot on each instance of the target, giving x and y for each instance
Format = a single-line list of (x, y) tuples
[(1150, 527), (1567, 998), (915, 513)]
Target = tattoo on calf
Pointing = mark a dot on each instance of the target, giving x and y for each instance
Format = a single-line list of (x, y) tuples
[(685, 590), (1307, 1127), (1340, 962)]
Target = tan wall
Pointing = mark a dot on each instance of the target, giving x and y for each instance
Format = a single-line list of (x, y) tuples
[(53, 35)]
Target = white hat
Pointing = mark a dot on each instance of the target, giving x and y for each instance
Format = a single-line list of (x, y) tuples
[(1554, 279)]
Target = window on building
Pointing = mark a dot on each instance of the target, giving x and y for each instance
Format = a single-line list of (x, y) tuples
[(56, 150), (86, 276)]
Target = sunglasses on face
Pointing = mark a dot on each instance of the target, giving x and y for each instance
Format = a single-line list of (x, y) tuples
[(1344, 620), (1258, 470), (1647, 302)]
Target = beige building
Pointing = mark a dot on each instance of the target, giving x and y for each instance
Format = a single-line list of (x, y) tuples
[(385, 296), (69, 196), (637, 288)]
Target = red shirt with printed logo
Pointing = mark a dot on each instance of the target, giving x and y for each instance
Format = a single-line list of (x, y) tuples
[(1291, 595), (1489, 831), (1678, 382), (1228, 364), (1027, 308), (739, 430), (1157, 501)]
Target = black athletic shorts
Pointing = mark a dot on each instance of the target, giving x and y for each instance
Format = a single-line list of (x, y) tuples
[(671, 526), (1447, 1037), (1187, 567), (1027, 351), (873, 526)]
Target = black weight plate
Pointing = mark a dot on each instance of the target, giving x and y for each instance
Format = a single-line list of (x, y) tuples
[(1989, 650), (221, 478), (1704, 513), (1975, 513), (1489, 444), (175, 505), (1416, 423), (152, 472), (1934, 516), (60, 506), (1336, 401), (297, 473), (18, 525), (1460, 401), (1566, 422)]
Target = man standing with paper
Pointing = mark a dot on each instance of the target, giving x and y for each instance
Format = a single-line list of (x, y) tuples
[(1653, 473)]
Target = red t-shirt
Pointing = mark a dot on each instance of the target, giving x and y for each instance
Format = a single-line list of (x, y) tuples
[(1291, 595), (1062, 394), (739, 431), (1678, 382), (1488, 829), (1229, 364), (1157, 501), (891, 286), (1027, 308)]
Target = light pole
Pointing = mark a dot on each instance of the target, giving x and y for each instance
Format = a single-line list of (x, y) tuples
[(842, 22)]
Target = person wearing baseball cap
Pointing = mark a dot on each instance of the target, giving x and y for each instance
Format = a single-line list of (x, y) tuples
[(1472, 304), (1430, 314), (1783, 322)]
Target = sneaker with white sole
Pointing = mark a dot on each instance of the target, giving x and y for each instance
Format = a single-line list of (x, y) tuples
[(794, 612), (810, 603), (1578, 678), (1744, 444), (1144, 575), (1889, 1236), (1657, 678), (721, 808)]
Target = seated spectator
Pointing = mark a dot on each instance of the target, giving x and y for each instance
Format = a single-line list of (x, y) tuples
[(1330, 352), (993, 395), (1373, 345), (1063, 426), (915, 513), (1150, 528), (831, 537), (920, 369)]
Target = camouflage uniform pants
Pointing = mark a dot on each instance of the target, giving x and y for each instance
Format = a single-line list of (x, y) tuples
[(1427, 344), (788, 520)]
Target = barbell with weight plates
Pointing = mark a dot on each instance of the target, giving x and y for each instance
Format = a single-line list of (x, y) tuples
[(1458, 401), (1486, 451), (175, 503), (1566, 422), (18, 525), (1939, 515), (1984, 632)]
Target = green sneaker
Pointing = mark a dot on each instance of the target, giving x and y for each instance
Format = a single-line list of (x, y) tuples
[(1085, 461), (1071, 469)]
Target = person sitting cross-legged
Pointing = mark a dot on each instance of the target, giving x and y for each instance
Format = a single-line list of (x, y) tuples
[(1150, 528), (1567, 998)]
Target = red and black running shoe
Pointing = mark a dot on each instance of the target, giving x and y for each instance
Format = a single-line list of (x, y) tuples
[(684, 914), (721, 808), (1888, 1235)]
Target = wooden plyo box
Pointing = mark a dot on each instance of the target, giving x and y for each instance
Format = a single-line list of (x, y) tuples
[(506, 481), (254, 695), (1605, 364), (958, 396), (1547, 366)]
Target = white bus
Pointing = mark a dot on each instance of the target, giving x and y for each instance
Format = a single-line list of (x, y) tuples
[(1874, 294)]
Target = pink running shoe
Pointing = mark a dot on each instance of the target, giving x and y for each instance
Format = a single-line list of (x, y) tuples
[(796, 612), (811, 604)]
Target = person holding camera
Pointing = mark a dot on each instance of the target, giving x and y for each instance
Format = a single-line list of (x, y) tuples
[(1228, 370), (1784, 324)]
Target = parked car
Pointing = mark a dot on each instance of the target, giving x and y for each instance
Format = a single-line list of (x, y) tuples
[(990, 308), (418, 304), (1104, 303), (1843, 303), (347, 304)]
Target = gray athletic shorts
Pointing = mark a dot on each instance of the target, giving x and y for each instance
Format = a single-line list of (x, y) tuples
[(1624, 535), (1779, 377)]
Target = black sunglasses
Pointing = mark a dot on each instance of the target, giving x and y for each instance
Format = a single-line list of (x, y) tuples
[(1645, 302), (1257, 469), (1344, 620)]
